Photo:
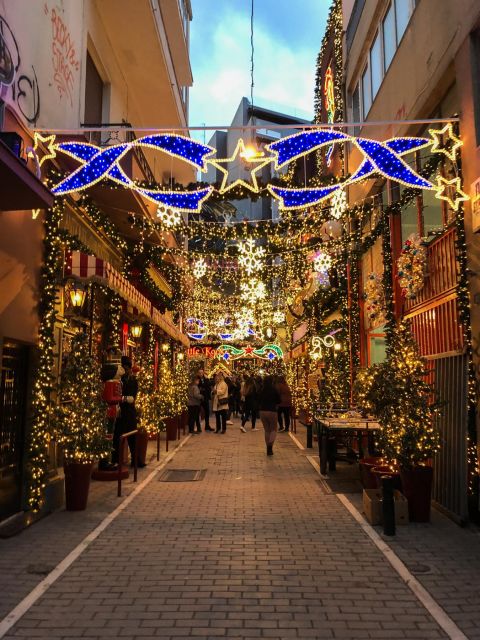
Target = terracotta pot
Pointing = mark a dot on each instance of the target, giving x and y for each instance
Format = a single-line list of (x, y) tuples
[(77, 484), (417, 488), (384, 470), (142, 445), (366, 476)]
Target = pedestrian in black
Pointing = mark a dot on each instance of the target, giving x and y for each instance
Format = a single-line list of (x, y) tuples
[(205, 386), (269, 399), (285, 405), (195, 400), (127, 421), (250, 409)]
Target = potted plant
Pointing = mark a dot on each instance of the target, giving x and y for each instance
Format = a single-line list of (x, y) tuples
[(79, 424), (398, 393)]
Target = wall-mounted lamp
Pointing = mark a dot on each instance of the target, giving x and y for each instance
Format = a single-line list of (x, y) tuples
[(165, 346), (77, 296), (136, 330)]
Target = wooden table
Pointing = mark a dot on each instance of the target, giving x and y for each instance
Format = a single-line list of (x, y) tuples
[(350, 427)]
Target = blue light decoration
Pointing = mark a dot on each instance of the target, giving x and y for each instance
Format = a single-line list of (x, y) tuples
[(269, 352), (194, 329), (379, 158)]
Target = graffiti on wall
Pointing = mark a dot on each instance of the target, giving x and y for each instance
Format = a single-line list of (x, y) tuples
[(15, 78), (64, 56)]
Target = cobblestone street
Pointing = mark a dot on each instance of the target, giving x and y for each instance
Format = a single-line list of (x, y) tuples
[(257, 548)]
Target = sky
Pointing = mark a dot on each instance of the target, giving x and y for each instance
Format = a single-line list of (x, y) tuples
[(287, 39)]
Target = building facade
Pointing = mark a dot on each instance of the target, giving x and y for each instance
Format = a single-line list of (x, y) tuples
[(93, 72)]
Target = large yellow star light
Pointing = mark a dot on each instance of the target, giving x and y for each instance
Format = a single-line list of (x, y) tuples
[(250, 156), (48, 142), (442, 192), (441, 137)]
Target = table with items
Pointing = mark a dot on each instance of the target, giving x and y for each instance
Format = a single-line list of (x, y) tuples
[(348, 427)]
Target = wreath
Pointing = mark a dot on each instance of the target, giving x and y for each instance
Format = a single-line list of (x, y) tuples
[(374, 297), (412, 264)]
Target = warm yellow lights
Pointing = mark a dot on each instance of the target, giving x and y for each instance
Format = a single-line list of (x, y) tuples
[(247, 154), (77, 296), (48, 142), (443, 188), (136, 330), (443, 136), (165, 347), (250, 256), (35, 213)]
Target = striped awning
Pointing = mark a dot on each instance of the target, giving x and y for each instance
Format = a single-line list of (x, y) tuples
[(86, 267)]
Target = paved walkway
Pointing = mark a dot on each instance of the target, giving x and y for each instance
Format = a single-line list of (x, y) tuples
[(257, 549)]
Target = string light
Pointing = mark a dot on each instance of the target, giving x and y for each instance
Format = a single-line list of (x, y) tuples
[(250, 256), (199, 268), (445, 186), (253, 290), (445, 141), (171, 218), (339, 204)]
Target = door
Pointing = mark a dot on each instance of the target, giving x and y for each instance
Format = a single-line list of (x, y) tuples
[(13, 390)]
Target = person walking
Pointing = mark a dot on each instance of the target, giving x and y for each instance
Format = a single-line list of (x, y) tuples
[(220, 403), (195, 400), (127, 420), (250, 408), (285, 406), (205, 386), (269, 399)]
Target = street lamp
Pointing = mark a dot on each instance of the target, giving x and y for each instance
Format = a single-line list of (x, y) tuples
[(77, 296), (136, 330), (165, 346)]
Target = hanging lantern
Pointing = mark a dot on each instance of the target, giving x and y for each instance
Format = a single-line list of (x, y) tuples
[(77, 296), (136, 330)]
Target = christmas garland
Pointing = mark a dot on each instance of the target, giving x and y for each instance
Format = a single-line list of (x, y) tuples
[(411, 265), (374, 297)]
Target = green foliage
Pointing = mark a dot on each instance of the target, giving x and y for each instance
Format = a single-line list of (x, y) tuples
[(147, 399), (79, 424), (398, 394)]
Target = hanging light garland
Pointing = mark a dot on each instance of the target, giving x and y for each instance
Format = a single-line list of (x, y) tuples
[(250, 256)]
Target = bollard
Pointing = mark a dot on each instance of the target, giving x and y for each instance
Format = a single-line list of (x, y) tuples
[(388, 506), (309, 436)]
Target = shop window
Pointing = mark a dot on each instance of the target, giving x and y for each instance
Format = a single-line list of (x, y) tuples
[(389, 37), (377, 348), (366, 91), (376, 64)]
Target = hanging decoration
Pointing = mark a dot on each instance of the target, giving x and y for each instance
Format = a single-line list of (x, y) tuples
[(250, 157), (195, 329), (199, 268), (266, 352), (317, 345), (451, 192), (250, 256), (374, 297), (339, 204), (411, 266), (278, 317), (169, 218), (445, 141), (252, 291), (322, 262)]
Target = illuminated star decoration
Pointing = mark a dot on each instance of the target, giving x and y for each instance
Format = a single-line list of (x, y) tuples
[(439, 142), (443, 186), (199, 268), (250, 256), (322, 262), (252, 291), (250, 157), (48, 142), (169, 217), (99, 163), (338, 204)]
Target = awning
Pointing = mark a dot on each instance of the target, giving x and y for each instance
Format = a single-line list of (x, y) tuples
[(20, 188), (86, 267)]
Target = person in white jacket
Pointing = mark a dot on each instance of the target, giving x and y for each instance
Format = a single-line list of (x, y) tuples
[(220, 402)]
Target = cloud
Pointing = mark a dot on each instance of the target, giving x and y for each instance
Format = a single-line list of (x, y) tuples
[(220, 54)]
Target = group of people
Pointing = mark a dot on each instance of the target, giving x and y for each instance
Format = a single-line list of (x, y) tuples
[(250, 397)]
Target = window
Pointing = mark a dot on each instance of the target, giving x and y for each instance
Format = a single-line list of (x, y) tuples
[(356, 114), (389, 37), (366, 91), (376, 64), (93, 94), (402, 14), (475, 50)]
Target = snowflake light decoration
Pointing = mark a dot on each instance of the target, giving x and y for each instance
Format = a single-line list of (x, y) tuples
[(253, 291), (250, 256), (278, 317), (322, 262), (169, 217), (199, 268), (339, 204)]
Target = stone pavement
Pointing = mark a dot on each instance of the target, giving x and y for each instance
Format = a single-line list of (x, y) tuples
[(257, 549)]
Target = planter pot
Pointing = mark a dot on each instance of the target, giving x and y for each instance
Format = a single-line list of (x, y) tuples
[(142, 445), (384, 470), (417, 488), (366, 476), (171, 425), (77, 484)]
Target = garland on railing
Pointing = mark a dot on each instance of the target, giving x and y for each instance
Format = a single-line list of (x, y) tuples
[(412, 266)]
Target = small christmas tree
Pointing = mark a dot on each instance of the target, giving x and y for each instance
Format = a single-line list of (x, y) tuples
[(181, 386), (166, 389), (398, 393), (147, 402), (80, 415)]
